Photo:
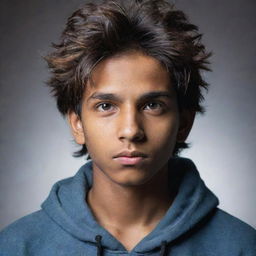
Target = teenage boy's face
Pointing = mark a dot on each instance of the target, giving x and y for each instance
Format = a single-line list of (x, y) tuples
[(130, 105)]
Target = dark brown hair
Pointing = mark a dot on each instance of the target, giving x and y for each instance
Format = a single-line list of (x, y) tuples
[(100, 30)]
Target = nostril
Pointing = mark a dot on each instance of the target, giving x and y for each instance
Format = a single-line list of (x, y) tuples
[(139, 136), (135, 136)]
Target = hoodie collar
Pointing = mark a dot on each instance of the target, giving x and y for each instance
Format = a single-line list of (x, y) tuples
[(66, 205)]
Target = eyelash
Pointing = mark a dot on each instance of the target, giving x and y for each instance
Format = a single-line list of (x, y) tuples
[(98, 105), (162, 105), (154, 102)]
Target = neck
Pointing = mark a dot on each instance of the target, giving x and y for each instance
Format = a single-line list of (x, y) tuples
[(116, 206)]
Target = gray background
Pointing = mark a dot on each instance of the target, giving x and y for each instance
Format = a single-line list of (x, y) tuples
[(35, 141)]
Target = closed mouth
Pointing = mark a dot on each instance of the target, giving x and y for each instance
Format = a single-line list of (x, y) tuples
[(130, 154)]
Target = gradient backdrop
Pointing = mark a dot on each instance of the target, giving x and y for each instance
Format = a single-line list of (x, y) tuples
[(35, 141)]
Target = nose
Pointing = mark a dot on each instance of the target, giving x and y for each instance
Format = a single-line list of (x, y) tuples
[(131, 126)]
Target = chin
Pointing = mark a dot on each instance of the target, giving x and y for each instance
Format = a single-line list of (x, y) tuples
[(131, 179), (131, 183)]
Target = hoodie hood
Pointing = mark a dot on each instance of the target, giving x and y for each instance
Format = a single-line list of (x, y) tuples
[(66, 205)]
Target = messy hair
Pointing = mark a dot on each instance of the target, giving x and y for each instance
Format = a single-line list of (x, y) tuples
[(101, 30)]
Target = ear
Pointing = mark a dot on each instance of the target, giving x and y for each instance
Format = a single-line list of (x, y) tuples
[(187, 118), (76, 127)]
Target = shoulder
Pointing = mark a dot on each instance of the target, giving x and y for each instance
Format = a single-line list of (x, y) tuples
[(231, 223), (232, 233), (17, 237), (25, 226)]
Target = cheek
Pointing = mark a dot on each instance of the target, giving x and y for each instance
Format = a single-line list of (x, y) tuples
[(164, 134), (97, 134)]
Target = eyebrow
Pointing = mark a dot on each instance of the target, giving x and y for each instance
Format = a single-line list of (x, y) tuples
[(143, 97)]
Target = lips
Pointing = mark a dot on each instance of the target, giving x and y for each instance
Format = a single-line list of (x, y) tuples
[(130, 157), (127, 153)]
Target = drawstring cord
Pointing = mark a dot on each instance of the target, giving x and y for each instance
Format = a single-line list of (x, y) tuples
[(163, 248), (98, 244)]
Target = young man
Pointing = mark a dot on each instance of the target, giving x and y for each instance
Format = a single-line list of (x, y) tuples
[(127, 76)]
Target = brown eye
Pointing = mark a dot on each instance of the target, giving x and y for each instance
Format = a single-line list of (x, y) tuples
[(104, 106), (154, 106)]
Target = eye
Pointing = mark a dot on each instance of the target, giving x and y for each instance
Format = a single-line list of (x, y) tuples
[(154, 106), (105, 106)]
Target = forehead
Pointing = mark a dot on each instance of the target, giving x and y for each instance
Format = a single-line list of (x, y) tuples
[(129, 71)]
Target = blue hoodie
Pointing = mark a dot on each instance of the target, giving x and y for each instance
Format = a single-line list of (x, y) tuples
[(192, 226)]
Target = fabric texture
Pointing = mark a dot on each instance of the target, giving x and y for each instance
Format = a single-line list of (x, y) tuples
[(192, 226)]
